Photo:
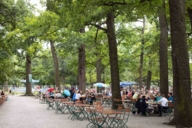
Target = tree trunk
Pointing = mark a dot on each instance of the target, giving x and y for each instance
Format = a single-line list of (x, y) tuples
[(189, 10), (62, 75), (63, 81), (99, 70), (180, 62), (163, 59), (113, 58), (28, 71), (81, 68), (82, 65), (56, 65), (141, 56), (98, 66), (148, 79), (5, 86)]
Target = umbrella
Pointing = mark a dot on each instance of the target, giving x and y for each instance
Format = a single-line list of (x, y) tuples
[(100, 85), (125, 83), (50, 89), (66, 92)]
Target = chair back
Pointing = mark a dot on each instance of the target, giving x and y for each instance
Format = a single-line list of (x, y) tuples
[(170, 104), (64, 100), (120, 107), (116, 100), (97, 103), (99, 108), (127, 110), (133, 100), (78, 102)]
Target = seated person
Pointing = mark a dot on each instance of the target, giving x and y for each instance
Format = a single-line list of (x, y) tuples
[(51, 95), (158, 97), (110, 93), (88, 97), (83, 96), (74, 96), (163, 104), (135, 96), (107, 93), (77, 96), (2, 93), (58, 95), (129, 95), (92, 98), (171, 99), (141, 105)]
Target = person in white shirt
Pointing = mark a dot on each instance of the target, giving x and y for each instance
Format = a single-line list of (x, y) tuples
[(163, 104), (78, 96)]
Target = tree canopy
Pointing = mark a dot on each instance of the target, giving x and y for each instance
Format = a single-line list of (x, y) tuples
[(123, 40)]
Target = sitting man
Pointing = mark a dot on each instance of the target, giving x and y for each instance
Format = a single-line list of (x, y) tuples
[(158, 97), (171, 99), (163, 104), (141, 105)]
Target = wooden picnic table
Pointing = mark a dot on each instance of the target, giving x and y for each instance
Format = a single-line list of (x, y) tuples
[(83, 113), (110, 116)]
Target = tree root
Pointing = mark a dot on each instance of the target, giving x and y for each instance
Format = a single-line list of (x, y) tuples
[(30, 94), (173, 122)]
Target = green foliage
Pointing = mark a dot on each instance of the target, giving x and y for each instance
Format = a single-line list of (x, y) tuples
[(24, 33)]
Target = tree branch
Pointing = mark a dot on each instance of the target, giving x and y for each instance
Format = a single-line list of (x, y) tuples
[(113, 3), (99, 27), (96, 35)]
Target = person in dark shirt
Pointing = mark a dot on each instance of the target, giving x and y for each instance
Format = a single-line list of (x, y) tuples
[(72, 91), (2, 93), (142, 105), (170, 97)]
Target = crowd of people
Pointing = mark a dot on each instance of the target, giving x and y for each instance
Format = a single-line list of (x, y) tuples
[(141, 97), (78, 95), (144, 98), (74, 95)]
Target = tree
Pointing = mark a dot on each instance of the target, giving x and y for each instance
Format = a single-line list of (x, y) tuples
[(180, 61), (50, 7), (56, 65), (7, 23), (113, 57), (20, 37), (142, 55), (82, 65), (163, 43), (190, 15)]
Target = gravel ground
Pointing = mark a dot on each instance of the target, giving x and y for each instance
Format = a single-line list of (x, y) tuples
[(27, 112)]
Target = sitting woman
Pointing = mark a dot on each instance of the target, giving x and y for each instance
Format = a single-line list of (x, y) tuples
[(129, 95), (135, 96)]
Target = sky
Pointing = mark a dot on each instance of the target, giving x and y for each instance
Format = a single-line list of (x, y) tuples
[(37, 4)]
